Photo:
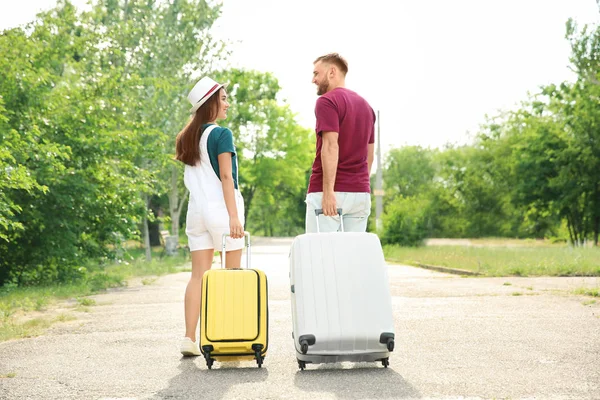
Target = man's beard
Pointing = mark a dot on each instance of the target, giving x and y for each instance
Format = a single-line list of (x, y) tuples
[(322, 88)]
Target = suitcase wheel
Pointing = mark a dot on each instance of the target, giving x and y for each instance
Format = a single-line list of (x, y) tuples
[(385, 362), (305, 341), (304, 347), (257, 354), (390, 345), (209, 361), (301, 365), (387, 338)]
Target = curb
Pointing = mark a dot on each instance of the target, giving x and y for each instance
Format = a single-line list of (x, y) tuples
[(448, 270)]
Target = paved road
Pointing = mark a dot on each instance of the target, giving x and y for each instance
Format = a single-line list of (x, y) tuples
[(457, 338)]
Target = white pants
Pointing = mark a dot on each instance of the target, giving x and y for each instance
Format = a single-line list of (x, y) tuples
[(356, 208)]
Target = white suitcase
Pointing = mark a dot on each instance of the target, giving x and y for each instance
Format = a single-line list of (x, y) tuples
[(341, 302)]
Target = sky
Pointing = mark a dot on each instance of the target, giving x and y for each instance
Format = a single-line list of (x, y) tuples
[(433, 68)]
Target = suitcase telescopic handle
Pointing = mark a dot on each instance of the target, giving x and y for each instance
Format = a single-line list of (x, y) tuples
[(319, 211), (247, 244)]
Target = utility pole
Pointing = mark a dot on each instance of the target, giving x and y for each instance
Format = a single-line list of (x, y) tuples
[(378, 192)]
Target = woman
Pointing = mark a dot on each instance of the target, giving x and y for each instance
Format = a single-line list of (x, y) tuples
[(215, 205)]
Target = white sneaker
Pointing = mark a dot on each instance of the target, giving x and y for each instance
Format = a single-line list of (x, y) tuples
[(189, 348)]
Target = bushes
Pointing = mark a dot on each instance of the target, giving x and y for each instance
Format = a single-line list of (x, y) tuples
[(406, 221)]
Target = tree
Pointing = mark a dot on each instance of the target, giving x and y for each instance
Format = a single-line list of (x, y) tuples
[(157, 49), (89, 105), (582, 115), (407, 172), (585, 51), (405, 221), (552, 156), (575, 107), (72, 151)]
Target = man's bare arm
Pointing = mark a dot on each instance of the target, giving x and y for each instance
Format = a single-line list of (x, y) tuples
[(329, 161)]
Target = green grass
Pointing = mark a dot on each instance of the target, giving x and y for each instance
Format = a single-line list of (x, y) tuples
[(535, 260), (64, 317), (16, 301), (9, 329), (148, 281), (587, 292), (86, 301)]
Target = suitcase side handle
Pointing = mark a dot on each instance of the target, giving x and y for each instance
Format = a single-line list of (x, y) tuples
[(319, 211), (247, 244)]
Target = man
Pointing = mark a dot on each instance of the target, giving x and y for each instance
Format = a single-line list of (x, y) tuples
[(345, 132)]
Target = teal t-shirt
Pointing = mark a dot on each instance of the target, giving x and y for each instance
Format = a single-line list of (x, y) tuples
[(220, 141)]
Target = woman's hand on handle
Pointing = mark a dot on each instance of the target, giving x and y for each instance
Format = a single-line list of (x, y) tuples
[(236, 229)]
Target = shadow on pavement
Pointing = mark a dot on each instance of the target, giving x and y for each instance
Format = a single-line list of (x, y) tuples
[(194, 382), (358, 382)]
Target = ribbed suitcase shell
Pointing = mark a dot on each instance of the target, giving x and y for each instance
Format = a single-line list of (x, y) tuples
[(341, 296), (234, 313)]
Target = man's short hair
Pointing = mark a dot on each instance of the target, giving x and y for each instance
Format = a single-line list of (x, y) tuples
[(336, 59)]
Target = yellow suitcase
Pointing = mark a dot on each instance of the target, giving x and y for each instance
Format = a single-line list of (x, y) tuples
[(234, 313)]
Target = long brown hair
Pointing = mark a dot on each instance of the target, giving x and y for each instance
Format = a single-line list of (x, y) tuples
[(187, 143)]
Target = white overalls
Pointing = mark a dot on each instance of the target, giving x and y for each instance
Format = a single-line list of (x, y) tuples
[(207, 217)]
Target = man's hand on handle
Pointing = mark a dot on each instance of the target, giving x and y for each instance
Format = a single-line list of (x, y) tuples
[(329, 204)]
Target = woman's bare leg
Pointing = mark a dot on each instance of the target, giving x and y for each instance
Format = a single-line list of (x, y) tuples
[(233, 259), (201, 262)]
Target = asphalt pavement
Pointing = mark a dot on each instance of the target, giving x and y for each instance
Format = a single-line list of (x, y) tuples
[(456, 338)]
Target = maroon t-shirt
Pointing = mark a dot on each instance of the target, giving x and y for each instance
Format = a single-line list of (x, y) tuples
[(345, 112)]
